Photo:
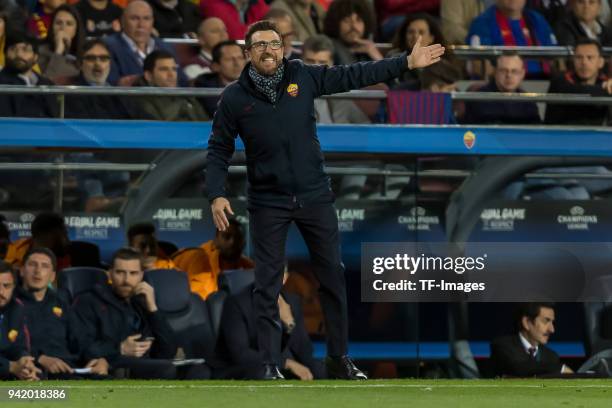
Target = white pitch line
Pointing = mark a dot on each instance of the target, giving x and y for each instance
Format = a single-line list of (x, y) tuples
[(414, 386)]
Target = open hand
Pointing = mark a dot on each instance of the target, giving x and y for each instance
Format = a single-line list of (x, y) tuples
[(219, 206), (422, 57)]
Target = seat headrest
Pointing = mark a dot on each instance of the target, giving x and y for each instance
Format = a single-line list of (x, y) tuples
[(171, 286)]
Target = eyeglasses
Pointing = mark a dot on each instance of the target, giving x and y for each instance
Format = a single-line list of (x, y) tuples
[(94, 58), (262, 45)]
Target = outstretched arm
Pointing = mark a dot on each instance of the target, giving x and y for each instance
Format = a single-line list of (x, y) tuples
[(343, 78)]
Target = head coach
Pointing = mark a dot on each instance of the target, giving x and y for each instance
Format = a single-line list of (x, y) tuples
[(271, 107)]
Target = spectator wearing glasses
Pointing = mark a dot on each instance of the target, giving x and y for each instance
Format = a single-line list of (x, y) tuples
[(509, 73), (95, 64)]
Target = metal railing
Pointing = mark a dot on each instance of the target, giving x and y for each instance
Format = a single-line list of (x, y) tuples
[(461, 51), (63, 91)]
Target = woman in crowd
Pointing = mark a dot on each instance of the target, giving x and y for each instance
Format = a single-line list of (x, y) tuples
[(415, 25), (58, 54)]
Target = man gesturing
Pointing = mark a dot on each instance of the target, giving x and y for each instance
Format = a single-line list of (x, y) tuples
[(271, 108)]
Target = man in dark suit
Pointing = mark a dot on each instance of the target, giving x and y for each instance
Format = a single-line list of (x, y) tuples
[(130, 47), (21, 56), (525, 354), (237, 349)]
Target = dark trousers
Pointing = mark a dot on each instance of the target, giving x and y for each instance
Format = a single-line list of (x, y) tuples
[(149, 368), (318, 225)]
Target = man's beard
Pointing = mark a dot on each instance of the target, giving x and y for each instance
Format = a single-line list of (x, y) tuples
[(19, 65)]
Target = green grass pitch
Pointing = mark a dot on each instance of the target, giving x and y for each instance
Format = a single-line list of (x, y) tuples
[(342, 394)]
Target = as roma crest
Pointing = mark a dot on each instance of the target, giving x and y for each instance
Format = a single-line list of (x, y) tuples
[(469, 139), (293, 90), (58, 311), (12, 335)]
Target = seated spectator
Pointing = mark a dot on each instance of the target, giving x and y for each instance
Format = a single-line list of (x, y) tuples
[(120, 323), (553, 10), (228, 63), (319, 50), (440, 78), (433, 89), (583, 22), (160, 70), (58, 54), (175, 18), (94, 63), (142, 238), (416, 25), (524, 354), (15, 361), (47, 318), (100, 17), (204, 265), (509, 23), (350, 23), (236, 14), (284, 24), (392, 13), (48, 231), (237, 345), (509, 73), (457, 16), (21, 53), (130, 47), (585, 78), (211, 32), (40, 20), (307, 16)]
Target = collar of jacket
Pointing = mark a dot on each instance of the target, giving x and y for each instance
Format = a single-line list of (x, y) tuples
[(105, 293), (26, 295), (247, 83)]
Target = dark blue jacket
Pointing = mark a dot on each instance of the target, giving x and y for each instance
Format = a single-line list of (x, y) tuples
[(100, 321), (125, 61), (14, 338), (500, 113), (284, 157), (48, 325), (237, 344)]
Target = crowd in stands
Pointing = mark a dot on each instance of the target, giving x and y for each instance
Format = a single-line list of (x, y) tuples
[(122, 43)]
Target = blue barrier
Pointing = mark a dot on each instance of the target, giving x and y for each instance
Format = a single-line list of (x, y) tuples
[(463, 140), (433, 350)]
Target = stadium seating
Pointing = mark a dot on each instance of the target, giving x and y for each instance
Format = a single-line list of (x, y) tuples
[(234, 280), (76, 280), (187, 314)]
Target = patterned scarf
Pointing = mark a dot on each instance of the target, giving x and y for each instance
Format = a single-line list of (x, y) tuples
[(267, 84)]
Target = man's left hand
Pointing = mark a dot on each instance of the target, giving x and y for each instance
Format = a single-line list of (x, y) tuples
[(422, 57), (143, 288)]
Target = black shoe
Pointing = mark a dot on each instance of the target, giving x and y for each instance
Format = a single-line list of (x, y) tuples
[(343, 368), (271, 372)]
